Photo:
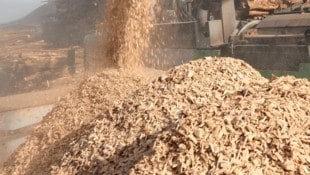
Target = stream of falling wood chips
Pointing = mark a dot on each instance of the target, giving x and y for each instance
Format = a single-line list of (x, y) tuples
[(128, 25)]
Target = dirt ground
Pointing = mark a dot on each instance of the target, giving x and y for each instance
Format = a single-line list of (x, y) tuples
[(28, 63)]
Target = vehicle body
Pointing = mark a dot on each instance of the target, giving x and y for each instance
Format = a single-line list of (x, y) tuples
[(275, 42)]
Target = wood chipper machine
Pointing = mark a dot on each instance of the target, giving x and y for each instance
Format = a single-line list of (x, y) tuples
[(277, 41)]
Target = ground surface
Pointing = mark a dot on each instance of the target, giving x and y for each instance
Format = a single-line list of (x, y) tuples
[(28, 63)]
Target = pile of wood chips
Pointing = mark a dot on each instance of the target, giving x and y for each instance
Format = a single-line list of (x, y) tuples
[(50, 140), (211, 116)]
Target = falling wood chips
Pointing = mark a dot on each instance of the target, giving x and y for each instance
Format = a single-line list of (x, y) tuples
[(214, 116)]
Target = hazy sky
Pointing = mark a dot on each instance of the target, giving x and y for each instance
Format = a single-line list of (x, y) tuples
[(14, 9)]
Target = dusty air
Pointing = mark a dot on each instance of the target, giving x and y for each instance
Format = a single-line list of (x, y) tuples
[(174, 87)]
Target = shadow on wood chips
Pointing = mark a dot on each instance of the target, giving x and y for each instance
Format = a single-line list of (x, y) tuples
[(55, 152), (122, 162)]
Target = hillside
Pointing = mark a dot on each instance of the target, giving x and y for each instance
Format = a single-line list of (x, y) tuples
[(72, 21), (36, 17)]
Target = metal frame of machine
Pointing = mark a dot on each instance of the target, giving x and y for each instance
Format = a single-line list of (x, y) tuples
[(277, 42)]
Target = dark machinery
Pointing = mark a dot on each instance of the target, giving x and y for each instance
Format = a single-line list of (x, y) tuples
[(275, 42)]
